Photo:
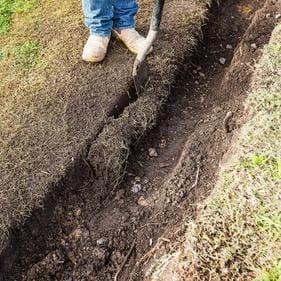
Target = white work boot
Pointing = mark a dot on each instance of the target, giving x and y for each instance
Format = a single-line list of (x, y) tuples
[(131, 38), (95, 49)]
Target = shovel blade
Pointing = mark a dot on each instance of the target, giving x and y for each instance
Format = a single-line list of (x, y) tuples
[(140, 75)]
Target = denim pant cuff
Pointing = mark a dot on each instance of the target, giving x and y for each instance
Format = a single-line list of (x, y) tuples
[(102, 34), (121, 27)]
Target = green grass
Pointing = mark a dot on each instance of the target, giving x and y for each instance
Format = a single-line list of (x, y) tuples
[(254, 162), (23, 55), (271, 165), (8, 8), (272, 274), (270, 222), (27, 55)]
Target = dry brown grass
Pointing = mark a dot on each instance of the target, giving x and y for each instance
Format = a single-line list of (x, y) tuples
[(237, 235), (29, 126), (52, 103)]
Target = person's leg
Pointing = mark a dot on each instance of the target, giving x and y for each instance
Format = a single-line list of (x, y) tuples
[(124, 12), (98, 16)]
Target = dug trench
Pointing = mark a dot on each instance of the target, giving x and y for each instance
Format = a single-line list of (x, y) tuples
[(81, 235)]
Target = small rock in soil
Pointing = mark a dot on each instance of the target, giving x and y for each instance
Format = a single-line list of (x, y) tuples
[(78, 212), (102, 241), (143, 202), (152, 152), (228, 46), (222, 60), (137, 179), (163, 143), (202, 98), (202, 74), (146, 181), (136, 188), (254, 46), (278, 16)]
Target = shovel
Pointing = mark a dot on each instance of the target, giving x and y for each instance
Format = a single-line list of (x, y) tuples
[(141, 68)]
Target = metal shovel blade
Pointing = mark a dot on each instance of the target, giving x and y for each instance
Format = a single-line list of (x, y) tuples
[(141, 68), (140, 74)]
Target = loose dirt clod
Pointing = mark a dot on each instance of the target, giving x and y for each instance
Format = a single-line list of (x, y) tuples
[(152, 152)]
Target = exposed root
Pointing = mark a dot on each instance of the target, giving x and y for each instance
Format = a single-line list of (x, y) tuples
[(197, 178), (120, 269), (145, 258)]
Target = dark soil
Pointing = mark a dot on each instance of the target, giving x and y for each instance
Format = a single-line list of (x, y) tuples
[(80, 236)]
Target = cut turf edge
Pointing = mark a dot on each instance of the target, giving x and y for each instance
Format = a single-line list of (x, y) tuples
[(237, 234), (109, 154)]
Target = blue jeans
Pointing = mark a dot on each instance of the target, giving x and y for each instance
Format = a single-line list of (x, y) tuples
[(103, 15)]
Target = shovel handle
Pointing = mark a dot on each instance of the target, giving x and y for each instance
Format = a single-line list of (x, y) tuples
[(153, 31), (157, 15)]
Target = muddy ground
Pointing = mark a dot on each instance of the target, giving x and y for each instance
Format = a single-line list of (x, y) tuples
[(79, 236)]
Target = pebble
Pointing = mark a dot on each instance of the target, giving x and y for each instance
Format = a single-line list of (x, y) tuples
[(137, 179), (136, 188), (78, 212), (152, 152), (163, 143), (102, 241), (254, 46), (268, 15), (222, 60), (143, 202), (146, 181), (278, 16), (228, 46)]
